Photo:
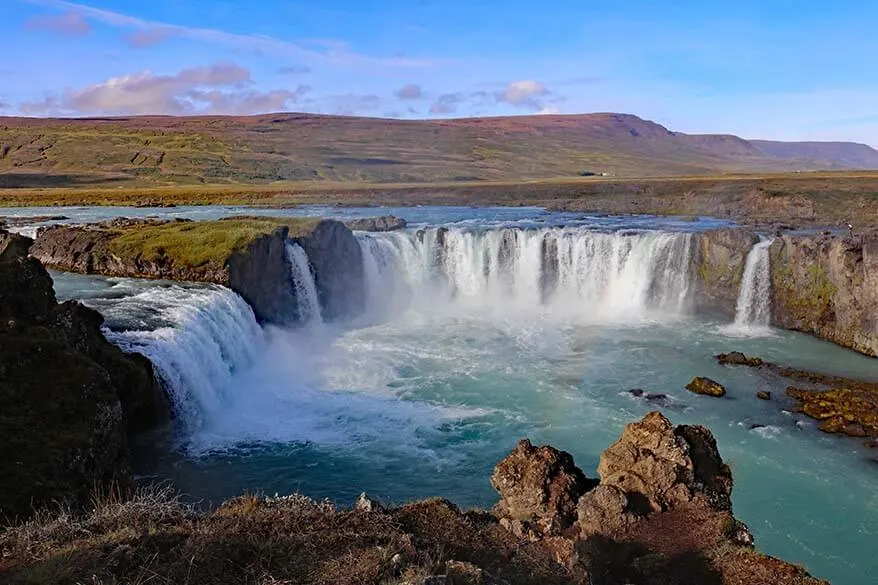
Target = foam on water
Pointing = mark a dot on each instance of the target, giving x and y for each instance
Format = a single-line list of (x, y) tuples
[(206, 336)]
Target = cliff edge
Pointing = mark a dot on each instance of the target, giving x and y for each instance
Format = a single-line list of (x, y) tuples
[(69, 396)]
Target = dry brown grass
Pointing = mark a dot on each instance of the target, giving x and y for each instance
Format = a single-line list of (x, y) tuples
[(154, 538)]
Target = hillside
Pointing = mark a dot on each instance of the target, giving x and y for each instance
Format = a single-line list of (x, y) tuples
[(163, 150)]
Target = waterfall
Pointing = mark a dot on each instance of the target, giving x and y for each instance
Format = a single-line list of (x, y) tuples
[(567, 269), (754, 298), (205, 334), (308, 308)]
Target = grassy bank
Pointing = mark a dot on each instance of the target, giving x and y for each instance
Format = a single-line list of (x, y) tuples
[(196, 244)]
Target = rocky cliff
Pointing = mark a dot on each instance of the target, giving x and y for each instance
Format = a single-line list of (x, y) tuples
[(337, 261), (660, 515), (69, 397), (827, 286), (719, 262), (247, 254)]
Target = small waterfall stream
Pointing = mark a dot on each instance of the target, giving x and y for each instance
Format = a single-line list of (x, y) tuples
[(754, 299), (308, 308)]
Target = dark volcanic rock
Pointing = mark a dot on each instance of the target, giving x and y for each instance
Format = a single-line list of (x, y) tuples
[(828, 286), (13, 246), (384, 223), (261, 275), (337, 259), (539, 486), (144, 403), (68, 395), (719, 266), (706, 386)]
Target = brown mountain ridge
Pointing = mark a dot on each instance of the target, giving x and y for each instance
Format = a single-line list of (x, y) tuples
[(165, 150)]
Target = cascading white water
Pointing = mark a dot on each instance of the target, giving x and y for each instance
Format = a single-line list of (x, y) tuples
[(304, 285), (207, 334), (573, 270), (754, 298)]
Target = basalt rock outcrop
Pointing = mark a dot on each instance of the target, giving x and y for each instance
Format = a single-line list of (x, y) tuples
[(719, 262), (661, 513), (260, 273), (258, 269), (539, 488), (827, 286), (69, 397), (337, 261)]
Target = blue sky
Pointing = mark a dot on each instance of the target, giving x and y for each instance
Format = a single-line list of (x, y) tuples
[(778, 69)]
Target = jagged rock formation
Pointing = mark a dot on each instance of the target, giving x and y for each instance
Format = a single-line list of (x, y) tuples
[(719, 267), (828, 286), (539, 488), (69, 397), (661, 512)]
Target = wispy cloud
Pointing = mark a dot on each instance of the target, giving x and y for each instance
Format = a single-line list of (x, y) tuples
[(71, 24), (219, 89), (142, 39), (447, 103), (294, 70), (330, 51), (410, 91)]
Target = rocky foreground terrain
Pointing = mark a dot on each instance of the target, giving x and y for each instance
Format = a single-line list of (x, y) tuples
[(660, 513)]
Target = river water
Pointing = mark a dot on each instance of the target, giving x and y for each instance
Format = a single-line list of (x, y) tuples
[(512, 323)]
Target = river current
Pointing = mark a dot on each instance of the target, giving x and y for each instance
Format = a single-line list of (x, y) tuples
[(529, 324)]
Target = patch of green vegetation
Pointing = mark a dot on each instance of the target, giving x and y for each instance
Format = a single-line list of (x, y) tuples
[(202, 243)]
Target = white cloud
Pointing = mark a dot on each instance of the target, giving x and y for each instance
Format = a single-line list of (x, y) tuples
[(549, 111), (524, 94), (447, 103), (218, 89)]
